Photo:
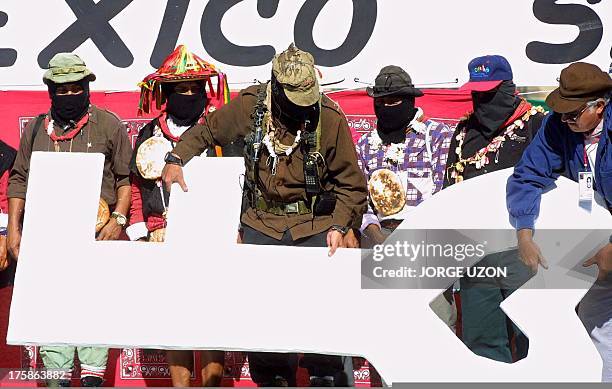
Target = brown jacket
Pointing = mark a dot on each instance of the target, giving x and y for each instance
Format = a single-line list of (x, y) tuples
[(341, 174), (104, 133)]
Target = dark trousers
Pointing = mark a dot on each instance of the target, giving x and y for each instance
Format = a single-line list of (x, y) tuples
[(487, 331), (265, 367)]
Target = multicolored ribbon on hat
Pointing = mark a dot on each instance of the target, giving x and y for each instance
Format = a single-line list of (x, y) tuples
[(181, 65)]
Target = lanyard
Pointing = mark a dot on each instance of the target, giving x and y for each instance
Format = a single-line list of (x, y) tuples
[(591, 140)]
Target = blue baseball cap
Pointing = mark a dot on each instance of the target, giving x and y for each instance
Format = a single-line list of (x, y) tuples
[(487, 73)]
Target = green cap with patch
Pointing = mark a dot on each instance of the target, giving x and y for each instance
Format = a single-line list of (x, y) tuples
[(67, 67), (294, 70)]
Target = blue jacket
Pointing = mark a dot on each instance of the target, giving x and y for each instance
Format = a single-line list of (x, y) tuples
[(555, 151)]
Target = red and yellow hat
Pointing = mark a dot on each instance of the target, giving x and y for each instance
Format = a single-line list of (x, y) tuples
[(181, 65)]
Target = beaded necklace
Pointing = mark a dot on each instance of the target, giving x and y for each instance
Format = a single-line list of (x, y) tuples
[(394, 153), (480, 159), (273, 145)]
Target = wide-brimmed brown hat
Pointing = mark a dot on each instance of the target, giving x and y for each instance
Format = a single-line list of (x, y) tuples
[(579, 83)]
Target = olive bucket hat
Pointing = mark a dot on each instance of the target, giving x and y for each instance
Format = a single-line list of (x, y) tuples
[(67, 67)]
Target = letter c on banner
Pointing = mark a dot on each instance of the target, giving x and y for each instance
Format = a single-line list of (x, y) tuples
[(220, 48), (362, 26)]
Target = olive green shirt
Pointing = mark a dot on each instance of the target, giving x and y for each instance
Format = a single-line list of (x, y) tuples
[(103, 133), (340, 174)]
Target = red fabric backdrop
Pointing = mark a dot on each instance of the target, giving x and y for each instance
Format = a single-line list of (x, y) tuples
[(444, 105), (17, 107), (134, 367)]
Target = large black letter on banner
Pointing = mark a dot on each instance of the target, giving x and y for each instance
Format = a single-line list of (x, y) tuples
[(362, 26), (7, 56), (220, 48), (92, 22), (169, 30), (583, 17)]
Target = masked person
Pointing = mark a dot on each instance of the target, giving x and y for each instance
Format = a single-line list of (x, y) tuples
[(305, 153), (575, 142), (73, 124), (492, 137), (179, 85), (397, 182), (178, 89)]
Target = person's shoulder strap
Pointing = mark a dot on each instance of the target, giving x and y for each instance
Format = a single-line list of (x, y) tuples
[(37, 124)]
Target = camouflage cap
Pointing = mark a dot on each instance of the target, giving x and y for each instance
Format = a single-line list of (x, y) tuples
[(294, 70), (67, 67)]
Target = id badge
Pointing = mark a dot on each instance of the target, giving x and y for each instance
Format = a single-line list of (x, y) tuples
[(585, 183)]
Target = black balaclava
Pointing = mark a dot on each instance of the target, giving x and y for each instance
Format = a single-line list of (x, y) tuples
[(491, 111), (392, 121), (289, 114), (185, 110), (66, 110), (493, 108)]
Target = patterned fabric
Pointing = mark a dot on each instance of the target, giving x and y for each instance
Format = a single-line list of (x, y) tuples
[(421, 170)]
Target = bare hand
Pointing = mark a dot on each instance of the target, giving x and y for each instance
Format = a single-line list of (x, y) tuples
[(110, 231), (529, 251), (173, 174), (334, 241), (350, 240), (14, 242), (603, 260), (375, 233), (239, 237), (4, 259)]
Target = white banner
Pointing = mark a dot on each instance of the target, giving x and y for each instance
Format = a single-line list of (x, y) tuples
[(433, 40), (200, 264)]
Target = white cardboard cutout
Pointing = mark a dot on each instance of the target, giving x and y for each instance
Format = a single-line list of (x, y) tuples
[(394, 329)]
